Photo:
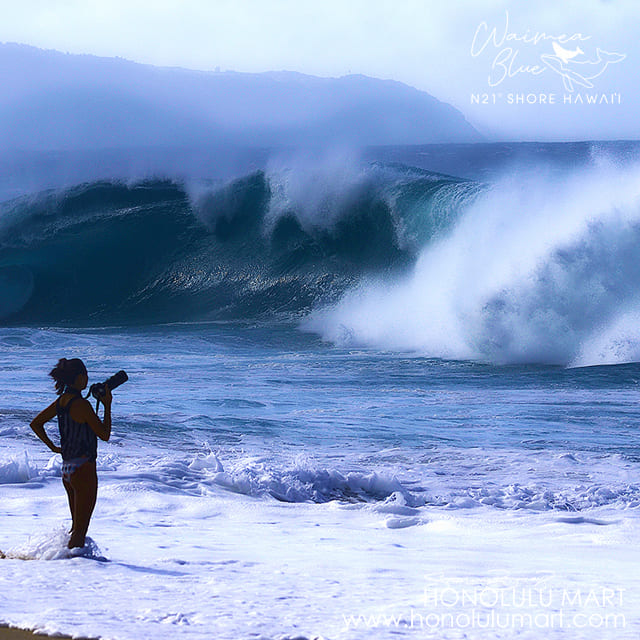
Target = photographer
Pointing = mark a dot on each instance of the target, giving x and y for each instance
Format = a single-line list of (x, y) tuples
[(80, 427)]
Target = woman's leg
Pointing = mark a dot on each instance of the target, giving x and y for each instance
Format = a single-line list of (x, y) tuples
[(84, 483), (72, 500)]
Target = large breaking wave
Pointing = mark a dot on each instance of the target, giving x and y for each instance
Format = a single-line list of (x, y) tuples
[(541, 268), (266, 243)]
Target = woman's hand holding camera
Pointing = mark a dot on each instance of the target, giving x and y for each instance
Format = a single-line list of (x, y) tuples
[(106, 397)]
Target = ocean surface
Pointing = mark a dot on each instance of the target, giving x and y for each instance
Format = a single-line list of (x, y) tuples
[(377, 394)]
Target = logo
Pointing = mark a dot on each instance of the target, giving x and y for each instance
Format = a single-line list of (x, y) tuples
[(578, 71), (568, 58)]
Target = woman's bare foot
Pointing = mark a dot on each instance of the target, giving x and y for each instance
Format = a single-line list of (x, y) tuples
[(76, 542)]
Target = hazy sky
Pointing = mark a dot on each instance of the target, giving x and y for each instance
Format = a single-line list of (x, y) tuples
[(425, 43)]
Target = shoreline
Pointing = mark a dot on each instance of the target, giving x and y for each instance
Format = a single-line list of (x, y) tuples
[(15, 633)]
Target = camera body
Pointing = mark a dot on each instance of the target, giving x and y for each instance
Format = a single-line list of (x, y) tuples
[(98, 389)]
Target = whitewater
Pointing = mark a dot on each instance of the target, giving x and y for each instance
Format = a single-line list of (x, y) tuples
[(391, 395)]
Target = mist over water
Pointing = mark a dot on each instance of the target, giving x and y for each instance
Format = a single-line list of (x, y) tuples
[(540, 268)]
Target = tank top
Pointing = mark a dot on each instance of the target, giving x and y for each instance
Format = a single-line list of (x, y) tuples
[(77, 439)]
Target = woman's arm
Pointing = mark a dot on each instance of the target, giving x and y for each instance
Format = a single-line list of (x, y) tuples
[(83, 412), (37, 424)]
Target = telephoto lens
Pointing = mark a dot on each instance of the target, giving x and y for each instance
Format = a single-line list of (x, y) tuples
[(116, 380), (98, 389)]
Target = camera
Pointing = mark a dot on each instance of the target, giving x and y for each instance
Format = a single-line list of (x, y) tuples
[(98, 389)]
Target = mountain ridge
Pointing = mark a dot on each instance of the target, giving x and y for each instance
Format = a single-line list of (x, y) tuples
[(56, 100)]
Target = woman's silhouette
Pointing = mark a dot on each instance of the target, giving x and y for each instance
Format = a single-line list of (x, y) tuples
[(79, 429)]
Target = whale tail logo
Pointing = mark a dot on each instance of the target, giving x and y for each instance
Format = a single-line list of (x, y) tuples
[(579, 72), (611, 57)]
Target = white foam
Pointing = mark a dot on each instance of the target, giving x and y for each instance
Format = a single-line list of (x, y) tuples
[(617, 342), (17, 469), (53, 546), (448, 477), (226, 565), (302, 481), (195, 535), (536, 270)]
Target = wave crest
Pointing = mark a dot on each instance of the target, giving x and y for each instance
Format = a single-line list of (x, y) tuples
[(148, 252)]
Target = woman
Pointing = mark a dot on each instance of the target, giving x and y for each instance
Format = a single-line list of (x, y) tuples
[(79, 425)]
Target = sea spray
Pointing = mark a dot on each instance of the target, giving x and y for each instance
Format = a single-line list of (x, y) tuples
[(535, 270)]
